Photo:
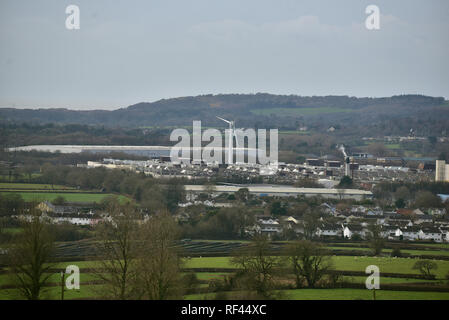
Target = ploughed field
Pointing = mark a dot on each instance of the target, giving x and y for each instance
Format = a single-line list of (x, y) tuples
[(85, 249)]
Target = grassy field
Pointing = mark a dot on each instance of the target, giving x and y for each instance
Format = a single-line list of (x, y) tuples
[(32, 186), (298, 111), (54, 293), (294, 132), (387, 280), (345, 294), (393, 146), (43, 192), (20, 177), (344, 263), (412, 252), (92, 291), (430, 245), (391, 265), (70, 197), (347, 263), (7, 279)]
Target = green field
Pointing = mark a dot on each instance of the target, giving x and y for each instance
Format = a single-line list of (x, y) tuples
[(345, 294), (293, 132), (347, 263), (393, 146), (70, 197), (20, 177), (32, 186), (343, 263), (7, 279), (298, 111), (390, 265), (54, 293), (412, 252), (43, 192)]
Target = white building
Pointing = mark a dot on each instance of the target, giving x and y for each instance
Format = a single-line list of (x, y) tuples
[(431, 234), (283, 191), (412, 233), (441, 171)]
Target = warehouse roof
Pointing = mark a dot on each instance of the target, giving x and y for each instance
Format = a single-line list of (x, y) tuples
[(280, 189)]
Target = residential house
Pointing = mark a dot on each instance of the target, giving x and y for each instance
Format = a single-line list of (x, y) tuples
[(397, 219), (352, 229), (269, 226), (436, 212), (433, 234), (423, 219), (391, 232), (442, 222), (329, 230), (444, 234), (418, 212), (328, 209), (49, 207), (76, 221), (411, 233)]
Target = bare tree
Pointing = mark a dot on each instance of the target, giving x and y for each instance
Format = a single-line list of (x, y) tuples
[(311, 223), (209, 189), (159, 264), (118, 248), (258, 266), (29, 255), (309, 261), (375, 240), (426, 267)]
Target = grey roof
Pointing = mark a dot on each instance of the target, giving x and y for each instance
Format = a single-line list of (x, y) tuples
[(276, 189)]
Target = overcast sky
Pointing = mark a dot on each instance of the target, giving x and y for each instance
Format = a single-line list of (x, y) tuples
[(132, 51)]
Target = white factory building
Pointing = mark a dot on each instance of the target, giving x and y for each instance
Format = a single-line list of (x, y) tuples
[(441, 171), (146, 151), (286, 191)]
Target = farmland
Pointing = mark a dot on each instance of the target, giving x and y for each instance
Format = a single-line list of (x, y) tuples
[(46, 192), (70, 197), (204, 267), (33, 186), (346, 294), (298, 111), (342, 263)]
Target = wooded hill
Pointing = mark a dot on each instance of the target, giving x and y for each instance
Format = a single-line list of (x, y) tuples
[(365, 116)]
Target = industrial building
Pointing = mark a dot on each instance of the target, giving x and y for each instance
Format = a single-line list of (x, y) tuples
[(286, 191), (152, 152), (441, 171)]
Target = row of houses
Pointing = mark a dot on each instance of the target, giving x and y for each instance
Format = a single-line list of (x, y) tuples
[(377, 211), (273, 226)]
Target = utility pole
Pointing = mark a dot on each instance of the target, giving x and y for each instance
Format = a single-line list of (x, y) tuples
[(62, 284)]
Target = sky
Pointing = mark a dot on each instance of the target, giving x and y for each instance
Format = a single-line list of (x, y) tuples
[(133, 51)]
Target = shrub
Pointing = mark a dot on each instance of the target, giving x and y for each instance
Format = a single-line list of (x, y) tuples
[(396, 252), (426, 267)]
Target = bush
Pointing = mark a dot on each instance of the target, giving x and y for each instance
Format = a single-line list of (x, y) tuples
[(334, 279), (356, 237), (69, 232), (426, 267), (396, 252)]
